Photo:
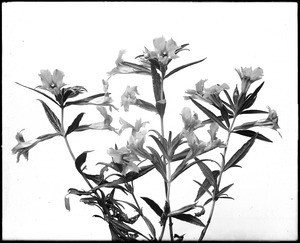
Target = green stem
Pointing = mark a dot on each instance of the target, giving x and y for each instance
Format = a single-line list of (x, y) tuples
[(218, 182)]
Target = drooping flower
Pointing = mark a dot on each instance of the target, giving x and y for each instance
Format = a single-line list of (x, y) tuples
[(124, 157), (22, 148), (248, 76), (129, 97), (123, 67), (164, 51), (52, 82), (209, 95)]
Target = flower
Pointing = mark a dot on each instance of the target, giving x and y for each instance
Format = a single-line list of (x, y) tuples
[(136, 128), (271, 121), (106, 123), (210, 95), (52, 82), (248, 76), (124, 157), (129, 97), (123, 67), (164, 52), (22, 148), (191, 122)]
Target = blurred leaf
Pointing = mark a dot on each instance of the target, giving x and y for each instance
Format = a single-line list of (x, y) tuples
[(240, 153), (39, 93), (225, 115), (145, 105), (190, 219), (48, 136), (153, 205), (253, 112), (74, 124), (207, 201), (156, 81), (150, 226), (181, 155), (161, 106), (209, 114), (182, 67), (84, 101), (67, 202), (249, 133), (72, 92), (78, 192), (52, 117)]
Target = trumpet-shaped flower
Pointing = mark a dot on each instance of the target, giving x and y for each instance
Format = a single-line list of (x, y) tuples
[(191, 122), (129, 97), (248, 76), (106, 123), (136, 128), (164, 51), (123, 67), (22, 148), (271, 121), (210, 95), (52, 82), (124, 157)]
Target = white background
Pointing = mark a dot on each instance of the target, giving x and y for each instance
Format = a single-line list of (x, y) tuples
[(83, 40)]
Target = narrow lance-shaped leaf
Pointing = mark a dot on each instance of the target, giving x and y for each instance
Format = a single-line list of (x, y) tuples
[(206, 185), (209, 114), (52, 117), (39, 93), (190, 219), (249, 133), (182, 67), (84, 101), (254, 112), (229, 99), (161, 147), (207, 173), (74, 124), (224, 114), (150, 226), (80, 160), (153, 205), (240, 154), (223, 190)]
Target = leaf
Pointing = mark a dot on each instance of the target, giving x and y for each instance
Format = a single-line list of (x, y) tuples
[(78, 192), (223, 190), (207, 173), (190, 219), (161, 106), (249, 133), (80, 160), (84, 101), (48, 136), (224, 114), (240, 154), (75, 124), (250, 99), (52, 117), (181, 155), (206, 185), (162, 148), (158, 163), (145, 105), (229, 99), (182, 67), (156, 81), (209, 114), (39, 93), (253, 112), (150, 226), (67, 202), (153, 205)]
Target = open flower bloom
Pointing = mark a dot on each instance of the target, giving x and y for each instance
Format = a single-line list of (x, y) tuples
[(129, 97), (248, 76), (164, 51), (210, 95), (191, 122), (106, 123), (271, 121), (123, 67), (52, 82), (136, 128), (124, 157), (22, 148)]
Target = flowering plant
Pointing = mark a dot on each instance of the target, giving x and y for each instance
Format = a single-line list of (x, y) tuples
[(169, 155)]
